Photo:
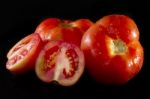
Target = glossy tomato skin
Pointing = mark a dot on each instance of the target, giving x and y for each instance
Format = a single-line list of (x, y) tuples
[(120, 25), (61, 62), (83, 24), (28, 49), (112, 50), (45, 26), (66, 30)]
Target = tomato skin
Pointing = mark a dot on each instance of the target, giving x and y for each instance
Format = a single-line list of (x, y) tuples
[(45, 26), (28, 61), (83, 24), (104, 63), (120, 25), (54, 61), (66, 30)]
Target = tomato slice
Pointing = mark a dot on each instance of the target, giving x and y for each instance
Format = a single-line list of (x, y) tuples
[(60, 61), (22, 56)]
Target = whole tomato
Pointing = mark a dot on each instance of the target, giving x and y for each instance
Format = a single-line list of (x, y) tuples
[(112, 50), (67, 30)]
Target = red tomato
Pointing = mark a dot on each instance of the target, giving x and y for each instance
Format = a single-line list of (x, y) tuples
[(45, 26), (112, 50), (21, 58), (55, 29), (61, 62), (82, 24)]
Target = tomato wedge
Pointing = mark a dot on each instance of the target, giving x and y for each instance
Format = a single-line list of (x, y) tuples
[(21, 57)]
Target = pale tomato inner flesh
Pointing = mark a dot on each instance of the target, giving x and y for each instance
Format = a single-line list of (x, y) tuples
[(63, 60), (20, 52)]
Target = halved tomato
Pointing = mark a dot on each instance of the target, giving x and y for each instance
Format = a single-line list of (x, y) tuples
[(61, 62), (21, 58)]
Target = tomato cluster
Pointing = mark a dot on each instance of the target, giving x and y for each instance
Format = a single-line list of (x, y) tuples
[(59, 50)]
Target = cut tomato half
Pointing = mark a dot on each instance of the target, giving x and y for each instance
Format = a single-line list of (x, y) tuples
[(61, 62)]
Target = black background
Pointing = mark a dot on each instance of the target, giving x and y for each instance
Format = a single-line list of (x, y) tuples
[(20, 18)]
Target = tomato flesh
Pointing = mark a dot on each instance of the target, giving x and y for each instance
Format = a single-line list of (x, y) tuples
[(60, 61), (22, 56)]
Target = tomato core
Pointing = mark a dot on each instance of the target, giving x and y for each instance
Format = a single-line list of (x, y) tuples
[(119, 47)]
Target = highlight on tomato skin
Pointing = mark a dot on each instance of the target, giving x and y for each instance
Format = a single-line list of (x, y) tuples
[(83, 24), (22, 56), (112, 50), (121, 25), (45, 26), (60, 61), (66, 30)]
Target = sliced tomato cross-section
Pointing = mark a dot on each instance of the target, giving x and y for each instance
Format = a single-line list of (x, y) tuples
[(21, 58), (61, 62)]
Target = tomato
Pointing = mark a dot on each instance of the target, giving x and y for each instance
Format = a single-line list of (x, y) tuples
[(69, 31), (61, 62), (112, 50), (82, 24), (45, 26), (21, 58)]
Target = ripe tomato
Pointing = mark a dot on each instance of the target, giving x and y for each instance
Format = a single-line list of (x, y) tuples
[(21, 58), (82, 24), (69, 31), (45, 26), (61, 62), (112, 49)]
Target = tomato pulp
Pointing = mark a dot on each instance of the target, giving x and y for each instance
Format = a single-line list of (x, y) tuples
[(21, 58)]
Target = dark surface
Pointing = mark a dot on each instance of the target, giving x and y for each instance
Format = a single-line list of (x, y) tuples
[(19, 19)]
